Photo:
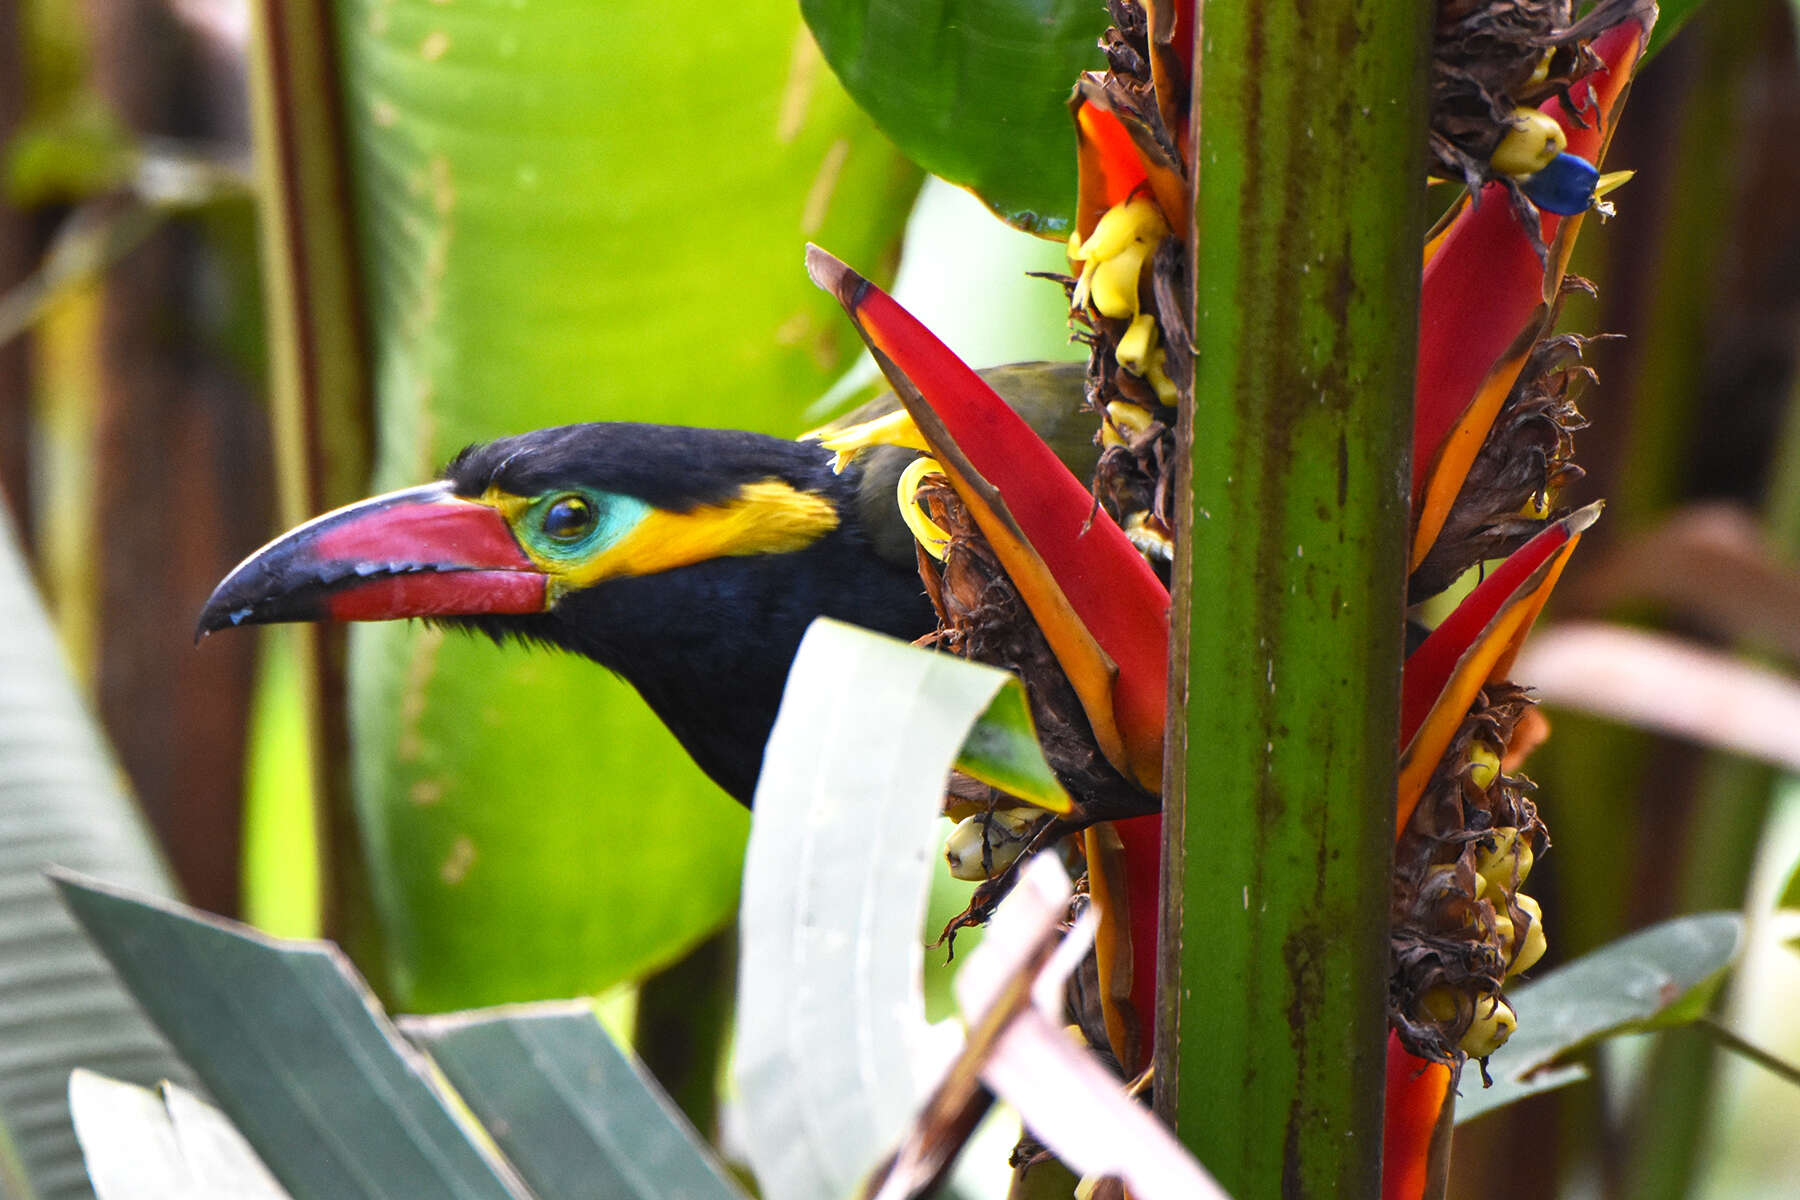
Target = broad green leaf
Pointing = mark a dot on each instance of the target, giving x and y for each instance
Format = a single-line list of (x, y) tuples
[(296, 1052), (975, 90), (143, 1146), (1002, 750), (1654, 979), (575, 1114), (62, 800), (832, 1046), (574, 211)]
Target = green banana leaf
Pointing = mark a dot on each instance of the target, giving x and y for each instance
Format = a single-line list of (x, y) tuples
[(336, 1104), (140, 1144), (570, 211), (975, 90), (577, 1115), (62, 800), (296, 1052)]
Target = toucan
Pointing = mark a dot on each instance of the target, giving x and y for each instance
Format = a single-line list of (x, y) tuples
[(689, 561)]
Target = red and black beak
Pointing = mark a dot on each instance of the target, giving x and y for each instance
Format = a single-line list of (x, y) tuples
[(421, 552)]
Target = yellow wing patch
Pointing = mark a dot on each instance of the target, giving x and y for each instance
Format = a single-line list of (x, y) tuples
[(766, 517)]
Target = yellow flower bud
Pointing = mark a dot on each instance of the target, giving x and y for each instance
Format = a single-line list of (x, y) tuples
[(1531, 947), (1166, 391), (1124, 421), (1438, 1004), (1114, 291), (1503, 926), (1138, 219), (1135, 347), (1534, 139), (1494, 1023), (1484, 766), (1005, 832), (1128, 418), (1503, 858), (1113, 257), (1084, 283)]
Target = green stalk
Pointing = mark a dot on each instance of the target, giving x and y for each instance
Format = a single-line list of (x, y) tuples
[(1312, 209), (318, 387)]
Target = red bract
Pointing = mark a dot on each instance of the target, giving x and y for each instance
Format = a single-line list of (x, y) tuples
[(1487, 297), (1413, 1129), (1474, 644), (1111, 168), (1100, 606)]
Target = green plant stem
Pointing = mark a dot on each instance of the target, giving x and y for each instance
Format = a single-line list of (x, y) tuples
[(1756, 1054), (1311, 205), (319, 390)]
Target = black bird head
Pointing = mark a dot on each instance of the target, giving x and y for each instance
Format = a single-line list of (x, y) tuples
[(690, 561)]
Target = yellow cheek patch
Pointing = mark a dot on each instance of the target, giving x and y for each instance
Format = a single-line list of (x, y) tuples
[(766, 517)]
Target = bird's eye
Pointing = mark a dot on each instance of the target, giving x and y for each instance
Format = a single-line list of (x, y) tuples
[(569, 518)]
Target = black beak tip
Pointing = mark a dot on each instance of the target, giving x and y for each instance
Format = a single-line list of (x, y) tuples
[(219, 614), (260, 590)]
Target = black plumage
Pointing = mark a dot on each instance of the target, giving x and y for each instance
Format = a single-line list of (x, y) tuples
[(708, 646)]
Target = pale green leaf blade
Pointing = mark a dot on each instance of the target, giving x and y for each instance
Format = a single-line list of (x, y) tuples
[(130, 1145), (296, 1051), (140, 1145), (1002, 751), (1656, 978), (575, 1114), (832, 1046), (215, 1150), (62, 800), (573, 212), (975, 91)]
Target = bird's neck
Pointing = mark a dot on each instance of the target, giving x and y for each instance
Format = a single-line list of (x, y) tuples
[(709, 646)]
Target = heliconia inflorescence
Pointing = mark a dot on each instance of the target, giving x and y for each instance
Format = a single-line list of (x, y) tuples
[(1524, 102)]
